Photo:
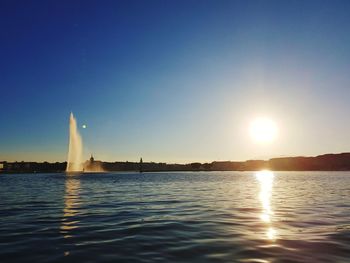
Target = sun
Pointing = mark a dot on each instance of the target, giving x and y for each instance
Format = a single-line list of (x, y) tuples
[(263, 130)]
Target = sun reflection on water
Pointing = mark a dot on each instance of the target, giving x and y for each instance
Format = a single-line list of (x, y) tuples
[(71, 205), (265, 179)]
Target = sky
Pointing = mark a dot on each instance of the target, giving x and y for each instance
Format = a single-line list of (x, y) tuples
[(173, 81)]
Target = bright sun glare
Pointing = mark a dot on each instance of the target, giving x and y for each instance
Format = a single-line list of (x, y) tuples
[(263, 130)]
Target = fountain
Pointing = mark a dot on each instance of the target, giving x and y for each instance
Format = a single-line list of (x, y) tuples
[(75, 151)]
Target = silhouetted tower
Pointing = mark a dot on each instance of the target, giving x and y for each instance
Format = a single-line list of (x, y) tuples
[(92, 159), (141, 162)]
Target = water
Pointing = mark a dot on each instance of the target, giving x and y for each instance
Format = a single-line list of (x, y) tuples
[(75, 147), (176, 217)]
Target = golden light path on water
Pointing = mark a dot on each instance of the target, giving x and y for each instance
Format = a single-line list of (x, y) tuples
[(265, 179), (71, 207)]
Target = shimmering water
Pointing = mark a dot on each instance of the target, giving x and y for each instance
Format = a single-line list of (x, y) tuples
[(176, 217)]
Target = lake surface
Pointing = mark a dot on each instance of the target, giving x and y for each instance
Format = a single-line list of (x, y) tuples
[(176, 217)]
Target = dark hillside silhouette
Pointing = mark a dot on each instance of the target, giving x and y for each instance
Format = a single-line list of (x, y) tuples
[(326, 162)]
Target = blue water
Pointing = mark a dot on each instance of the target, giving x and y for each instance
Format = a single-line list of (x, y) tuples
[(175, 217)]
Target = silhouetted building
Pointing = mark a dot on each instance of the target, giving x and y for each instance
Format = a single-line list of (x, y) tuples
[(326, 162), (93, 166)]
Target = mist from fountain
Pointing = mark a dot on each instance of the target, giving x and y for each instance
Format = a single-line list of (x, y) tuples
[(75, 150)]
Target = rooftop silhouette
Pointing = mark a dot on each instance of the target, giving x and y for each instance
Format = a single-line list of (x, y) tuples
[(326, 162)]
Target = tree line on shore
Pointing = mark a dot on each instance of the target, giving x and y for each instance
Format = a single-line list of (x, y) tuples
[(326, 162)]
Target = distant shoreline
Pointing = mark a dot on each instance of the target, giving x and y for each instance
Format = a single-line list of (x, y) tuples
[(326, 162), (178, 171)]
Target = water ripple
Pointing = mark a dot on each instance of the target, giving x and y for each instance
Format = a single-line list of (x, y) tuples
[(175, 217)]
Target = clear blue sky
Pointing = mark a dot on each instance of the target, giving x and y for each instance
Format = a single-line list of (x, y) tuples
[(174, 81)]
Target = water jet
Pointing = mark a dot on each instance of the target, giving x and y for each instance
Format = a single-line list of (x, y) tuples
[(75, 148)]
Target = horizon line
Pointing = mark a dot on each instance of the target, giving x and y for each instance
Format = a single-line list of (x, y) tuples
[(280, 157)]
